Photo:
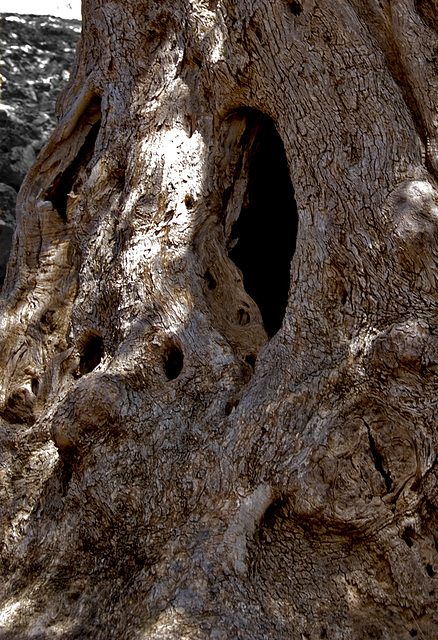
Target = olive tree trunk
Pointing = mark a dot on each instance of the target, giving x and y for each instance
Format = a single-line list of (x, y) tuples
[(219, 330)]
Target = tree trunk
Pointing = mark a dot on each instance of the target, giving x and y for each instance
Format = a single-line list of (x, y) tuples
[(220, 333)]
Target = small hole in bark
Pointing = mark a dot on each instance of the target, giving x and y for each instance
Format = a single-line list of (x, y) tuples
[(243, 317), (211, 282), (413, 633), (273, 514), (407, 536), (188, 201), (263, 238), (58, 193), (296, 7), (91, 355), (430, 571), (230, 406), (169, 215), (47, 317), (250, 359), (68, 461), (173, 361), (35, 386), (48, 320), (258, 33), (379, 462), (344, 298)]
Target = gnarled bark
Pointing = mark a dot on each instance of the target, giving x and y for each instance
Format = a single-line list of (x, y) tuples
[(220, 343)]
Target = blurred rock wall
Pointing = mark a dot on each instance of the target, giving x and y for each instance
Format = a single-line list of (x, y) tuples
[(36, 53)]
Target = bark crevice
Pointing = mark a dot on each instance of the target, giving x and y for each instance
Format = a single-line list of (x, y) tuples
[(58, 193)]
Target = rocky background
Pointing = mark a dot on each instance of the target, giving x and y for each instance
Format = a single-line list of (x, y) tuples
[(36, 55)]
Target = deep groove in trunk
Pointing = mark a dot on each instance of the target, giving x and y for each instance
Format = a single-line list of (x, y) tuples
[(58, 193)]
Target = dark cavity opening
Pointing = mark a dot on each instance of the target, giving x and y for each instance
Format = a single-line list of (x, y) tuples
[(272, 520), (296, 7), (58, 193), (92, 353), (173, 361), (430, 571), (379, 462), (264, 236), (243, 317), (250, 359), (232, 404), (408, 536), (209, 279), (68, 463), (189, 202)]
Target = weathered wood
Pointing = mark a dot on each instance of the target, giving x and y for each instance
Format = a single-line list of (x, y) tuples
[(172, 465)]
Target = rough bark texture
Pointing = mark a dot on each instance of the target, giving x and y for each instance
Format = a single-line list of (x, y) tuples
[(203, 436)]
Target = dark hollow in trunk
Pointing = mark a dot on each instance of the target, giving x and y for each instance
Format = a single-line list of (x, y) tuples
[(267, 227)]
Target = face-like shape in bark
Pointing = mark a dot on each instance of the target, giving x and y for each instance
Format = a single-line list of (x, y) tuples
[(221, 348)]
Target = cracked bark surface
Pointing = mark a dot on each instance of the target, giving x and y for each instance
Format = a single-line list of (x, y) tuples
[(182, 457)]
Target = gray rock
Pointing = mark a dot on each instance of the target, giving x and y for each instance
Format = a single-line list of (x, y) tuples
[(8, 200), (6, 235), (16, 164)]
